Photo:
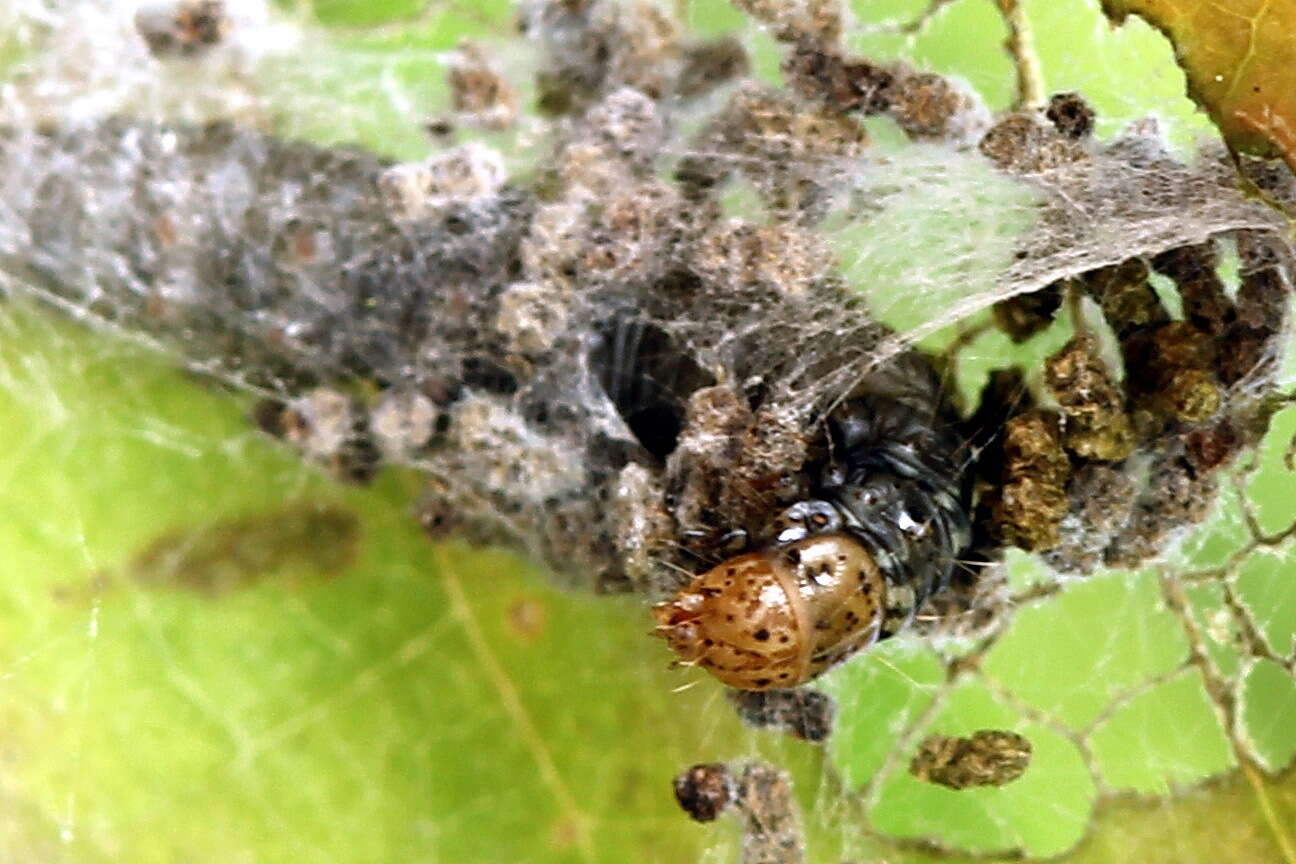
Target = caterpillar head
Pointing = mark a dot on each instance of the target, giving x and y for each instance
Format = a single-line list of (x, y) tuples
[(779, 617)]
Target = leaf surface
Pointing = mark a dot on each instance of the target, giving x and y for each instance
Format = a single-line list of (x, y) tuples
[(1240, 59)]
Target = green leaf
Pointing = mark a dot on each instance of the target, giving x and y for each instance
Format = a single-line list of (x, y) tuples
[(414, 702)]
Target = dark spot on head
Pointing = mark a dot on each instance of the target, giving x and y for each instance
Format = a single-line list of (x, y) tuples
[(762, 682), (762, 635)]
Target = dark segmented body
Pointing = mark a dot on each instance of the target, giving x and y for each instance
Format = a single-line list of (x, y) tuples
[(902, 493)]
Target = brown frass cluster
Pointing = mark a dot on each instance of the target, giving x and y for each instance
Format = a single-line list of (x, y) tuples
[(705, 791), (1025, 143), (1030, 501), (1177, 366), (989, 757), (803, 713), (479, 93), (184, 29), (761, 793), (1095, 423), (1145, 442), (1070, 115)]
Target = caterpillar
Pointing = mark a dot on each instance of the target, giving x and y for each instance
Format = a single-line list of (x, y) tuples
[(840, 571)]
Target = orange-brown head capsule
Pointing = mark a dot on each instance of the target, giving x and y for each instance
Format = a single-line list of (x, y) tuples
[(779, 617)]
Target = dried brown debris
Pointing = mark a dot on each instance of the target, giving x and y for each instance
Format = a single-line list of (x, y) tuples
[(643, 526), (928, 106), (1194, 271), (705, 790), (634, 235), (990, 757), (843, 83), (715, 422), (183, 28), (1093, 406), (1128, 301), (790, 150), (925, 105), (1263, 308), (1174, 371), (1174, 496), (480, 94), (761, 793), (1031, 501), (1212, 446), (646, 51), (1070, 115), (780, 258), (818, 22), (403, 422), (1025, 144), (804, 713), (326, 426), (710, 64), (772, 827), (1101, 499), (594, 47)]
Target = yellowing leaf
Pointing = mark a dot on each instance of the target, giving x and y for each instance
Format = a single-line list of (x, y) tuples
[(1240, 59)]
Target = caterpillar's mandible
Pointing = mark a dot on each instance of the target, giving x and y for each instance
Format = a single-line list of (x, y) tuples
[(839, 571)]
